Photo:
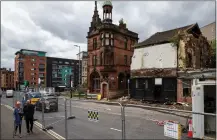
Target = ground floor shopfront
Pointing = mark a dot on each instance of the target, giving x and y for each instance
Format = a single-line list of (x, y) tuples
[(160, 89), (168, 88)]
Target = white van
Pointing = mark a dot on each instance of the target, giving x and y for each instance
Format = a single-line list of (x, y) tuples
[(9, 93)]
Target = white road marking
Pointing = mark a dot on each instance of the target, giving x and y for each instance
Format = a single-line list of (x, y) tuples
[(54, 117), (115, 129)]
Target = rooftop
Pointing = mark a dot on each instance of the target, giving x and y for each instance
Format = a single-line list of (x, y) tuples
[(209, 24), (165, 36), (29, 50)]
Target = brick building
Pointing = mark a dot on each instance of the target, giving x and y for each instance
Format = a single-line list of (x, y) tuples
[(162, 64), (7, 79), (109, 54), (30, 65)]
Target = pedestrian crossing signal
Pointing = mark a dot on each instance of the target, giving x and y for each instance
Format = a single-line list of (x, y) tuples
[(93, 115)]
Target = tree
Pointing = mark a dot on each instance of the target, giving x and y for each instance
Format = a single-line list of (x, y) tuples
[(213, 57)]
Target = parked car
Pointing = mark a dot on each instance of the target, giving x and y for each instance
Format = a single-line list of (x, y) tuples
[(51, 104), (34, 97), (9, 93)]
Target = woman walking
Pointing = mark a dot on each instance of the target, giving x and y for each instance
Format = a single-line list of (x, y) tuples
[(18, 115)]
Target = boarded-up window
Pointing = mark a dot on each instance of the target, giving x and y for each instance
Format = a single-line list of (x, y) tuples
[(169, 84), (186, 85), (140, 83)]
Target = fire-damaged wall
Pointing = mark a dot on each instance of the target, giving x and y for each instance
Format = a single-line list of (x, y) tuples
[(194, 53), (187, 51)]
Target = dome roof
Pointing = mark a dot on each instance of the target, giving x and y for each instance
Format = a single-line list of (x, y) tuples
[(107, 3)]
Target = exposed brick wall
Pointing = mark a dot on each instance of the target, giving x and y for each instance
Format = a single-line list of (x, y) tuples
[(28, 65), (180, 97)]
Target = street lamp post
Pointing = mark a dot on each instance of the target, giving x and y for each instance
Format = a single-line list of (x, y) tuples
[(19, 58), (79, 71)]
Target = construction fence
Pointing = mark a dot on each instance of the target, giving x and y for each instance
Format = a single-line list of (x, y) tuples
[(73, 119)]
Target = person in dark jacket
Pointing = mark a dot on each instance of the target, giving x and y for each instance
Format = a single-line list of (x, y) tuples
[(29, 110), (18, 115)]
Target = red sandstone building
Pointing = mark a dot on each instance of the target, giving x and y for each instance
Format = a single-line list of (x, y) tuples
[(30, 65), (109, 54)]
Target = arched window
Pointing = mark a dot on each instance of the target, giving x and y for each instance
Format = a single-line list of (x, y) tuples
[(101, 58), (111, 39), (125, 43)]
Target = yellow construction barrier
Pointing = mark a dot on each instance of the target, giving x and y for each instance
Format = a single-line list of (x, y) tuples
[(99, 96)]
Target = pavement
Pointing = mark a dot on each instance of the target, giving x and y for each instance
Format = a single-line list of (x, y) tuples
[(139, 123), (7, 127)]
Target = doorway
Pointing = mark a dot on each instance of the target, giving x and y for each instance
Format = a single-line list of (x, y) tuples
[(104, 91), (157, 92)]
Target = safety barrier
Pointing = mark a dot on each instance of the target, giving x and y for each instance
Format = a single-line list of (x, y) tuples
[(150, 123), (77, 119)]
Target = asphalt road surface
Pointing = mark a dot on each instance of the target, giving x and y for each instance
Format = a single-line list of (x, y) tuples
[(140, 123), (7, 128)]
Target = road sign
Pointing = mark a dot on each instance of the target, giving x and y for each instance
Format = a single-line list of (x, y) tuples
[(93, 115), (172, 130)]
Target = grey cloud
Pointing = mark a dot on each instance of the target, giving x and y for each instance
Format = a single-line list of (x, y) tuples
[(60, 25), (62, 20)]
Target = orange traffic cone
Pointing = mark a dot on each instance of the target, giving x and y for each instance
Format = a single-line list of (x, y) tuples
[(190, 133)]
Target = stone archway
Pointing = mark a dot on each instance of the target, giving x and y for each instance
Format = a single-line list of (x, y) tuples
[(104, 89), (121, 81), (95, 82)]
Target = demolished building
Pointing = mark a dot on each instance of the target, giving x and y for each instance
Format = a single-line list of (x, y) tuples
[(159, 60)]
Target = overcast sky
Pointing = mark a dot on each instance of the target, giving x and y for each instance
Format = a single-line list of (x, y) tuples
[(55, 27)]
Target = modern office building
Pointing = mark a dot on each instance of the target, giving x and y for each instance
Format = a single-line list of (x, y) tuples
[(83, 58), (7, 79), (62, 72), (30, 65)]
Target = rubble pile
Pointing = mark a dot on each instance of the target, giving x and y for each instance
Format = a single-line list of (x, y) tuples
[(170, 105)]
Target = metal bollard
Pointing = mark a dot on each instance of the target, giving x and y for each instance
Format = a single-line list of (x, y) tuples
[(123, 123), (42, 112), (70, 101), (66, 125), (13, 100)]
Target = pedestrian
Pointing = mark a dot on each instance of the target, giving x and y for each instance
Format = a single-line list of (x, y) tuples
[(18, 115), (29, 110)]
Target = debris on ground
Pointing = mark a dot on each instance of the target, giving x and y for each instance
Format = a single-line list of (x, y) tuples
[(124, 98), (166, 104)]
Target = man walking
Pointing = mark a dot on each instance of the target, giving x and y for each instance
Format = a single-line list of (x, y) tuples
[(29, 110)]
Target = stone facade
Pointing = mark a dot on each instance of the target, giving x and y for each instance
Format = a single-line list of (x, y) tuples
[(109, 54)]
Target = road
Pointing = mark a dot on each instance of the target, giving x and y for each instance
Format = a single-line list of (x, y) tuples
[(7, 128), (140, 123)]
